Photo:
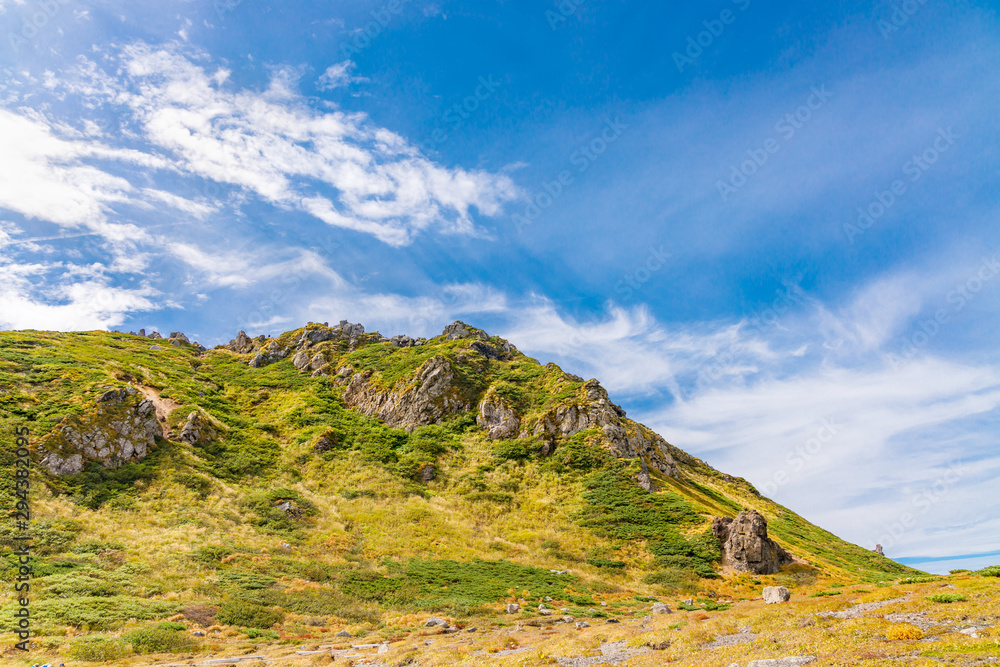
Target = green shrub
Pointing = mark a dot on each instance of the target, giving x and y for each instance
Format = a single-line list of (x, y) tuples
[(157, 639), (947, 598), (248, 615), (87, 583), (211, 554), (604, 562), (518, 449), (176, 626), (254, 633), (991, 571), (248, 581), (98, 648)]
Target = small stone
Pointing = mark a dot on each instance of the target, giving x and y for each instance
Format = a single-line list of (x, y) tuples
[(343, 633), (567, 619), (613, 620), (471, 629), (435, 621), (513, 608), (155, 348), (580, 625), (660, 608)]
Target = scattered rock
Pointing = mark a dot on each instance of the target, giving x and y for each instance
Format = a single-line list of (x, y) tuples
[(343, 633), (659, 646), (155, 348), (401, 341), (155, 335), (427, 473), (177, 335), (613, 620), (435, 621), (746, 546), (858, 610), (513, 608), (878, 549), (744, 636), (582, 624), (776, 594), (567, 619), (660, 608)]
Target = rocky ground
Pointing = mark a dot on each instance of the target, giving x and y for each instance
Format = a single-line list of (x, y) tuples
[(901, 624)]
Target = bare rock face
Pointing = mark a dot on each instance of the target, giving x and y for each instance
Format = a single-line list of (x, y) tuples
[(119, 430), (625, 439), (431, 396), (746, 546), (498, 418)]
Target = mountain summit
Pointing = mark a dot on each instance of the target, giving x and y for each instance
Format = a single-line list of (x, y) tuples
[(337, 478)]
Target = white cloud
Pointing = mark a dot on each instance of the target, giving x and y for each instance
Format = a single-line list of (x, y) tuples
[(338, 75), (75, 298), (793, 413), (240, 269), (335, 166)]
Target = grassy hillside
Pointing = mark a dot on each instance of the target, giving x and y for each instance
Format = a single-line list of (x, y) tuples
[(295, 516)]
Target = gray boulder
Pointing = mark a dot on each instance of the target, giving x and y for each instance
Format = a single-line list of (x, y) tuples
[(513, 608), (746, 546), (660, 608), (177, 335), (776, 594)]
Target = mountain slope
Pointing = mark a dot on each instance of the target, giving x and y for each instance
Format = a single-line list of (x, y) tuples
[(330, 478)]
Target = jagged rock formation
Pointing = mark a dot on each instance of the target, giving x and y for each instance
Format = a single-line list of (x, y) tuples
[(119, 430), (431, 396), (625, 438), (195, 430), (498, 418), (746, 546)]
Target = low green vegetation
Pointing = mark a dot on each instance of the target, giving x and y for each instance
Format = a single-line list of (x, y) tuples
[(299, 511)]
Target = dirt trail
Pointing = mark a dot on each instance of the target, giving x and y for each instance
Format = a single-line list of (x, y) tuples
[(164, 406)]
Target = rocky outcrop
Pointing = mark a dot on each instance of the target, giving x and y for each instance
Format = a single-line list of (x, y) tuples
[(498, 418), (625, 438), (268, 355), (196, 431), (119, 430), (459, 329), (242, 344), (428, 398), (746, 546)]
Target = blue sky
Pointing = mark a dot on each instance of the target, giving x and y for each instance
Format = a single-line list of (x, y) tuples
[(769, 229)]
